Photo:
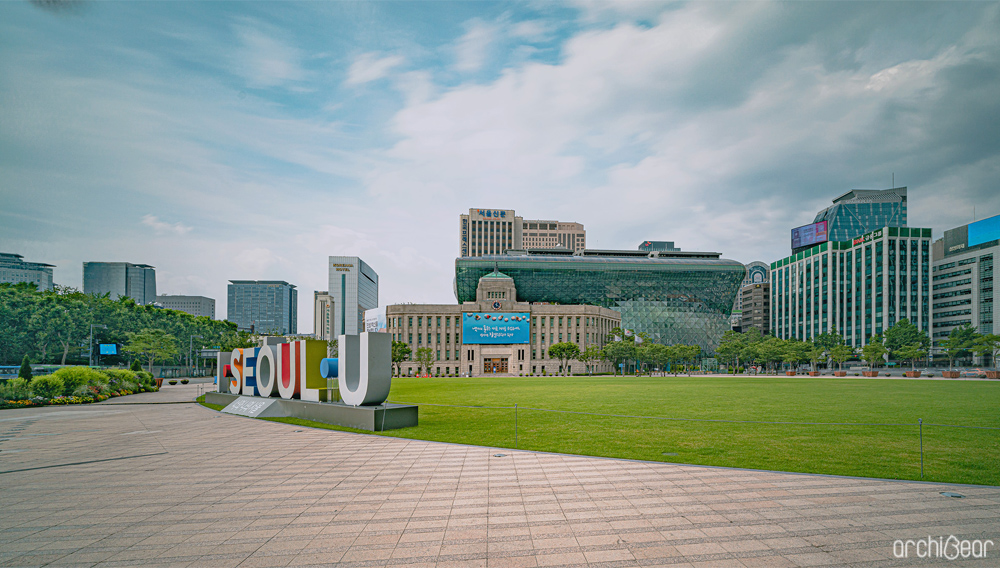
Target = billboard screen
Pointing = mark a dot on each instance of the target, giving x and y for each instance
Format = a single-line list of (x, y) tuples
[(984, 231), (498, 328), (375, 320), (808, 235), (109, 349)]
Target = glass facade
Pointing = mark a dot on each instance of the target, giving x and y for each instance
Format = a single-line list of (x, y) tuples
[(857, 288), (861, 211), (674, 300), (263, 306)]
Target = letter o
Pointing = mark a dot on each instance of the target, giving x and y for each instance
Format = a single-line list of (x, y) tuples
[(266, 383)]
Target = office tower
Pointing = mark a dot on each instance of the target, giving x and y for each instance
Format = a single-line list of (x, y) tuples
[(267, 307), (194, 305), (859, 287), (550, 234), (323, 311), (136, 281), (963, 290), (14, 269), (354, 289), (489, 231), (861, 211)]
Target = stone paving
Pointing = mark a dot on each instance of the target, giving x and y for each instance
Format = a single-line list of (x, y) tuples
[(181, 485)]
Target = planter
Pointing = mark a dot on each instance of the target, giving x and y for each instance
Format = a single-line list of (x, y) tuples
[(840, 373), (993, 374), (869, 373), (813, 373), (913, 374), (950, 374), (790, 373), (159, 382)]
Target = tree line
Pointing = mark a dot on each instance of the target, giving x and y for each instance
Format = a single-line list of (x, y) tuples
[(54, 327), (903, 342)]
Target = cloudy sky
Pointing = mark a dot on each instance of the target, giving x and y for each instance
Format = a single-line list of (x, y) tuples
[(239, 140)]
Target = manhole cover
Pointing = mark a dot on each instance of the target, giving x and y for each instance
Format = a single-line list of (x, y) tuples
[(298, 430), (671, 454), (952, 494), (499, 455)]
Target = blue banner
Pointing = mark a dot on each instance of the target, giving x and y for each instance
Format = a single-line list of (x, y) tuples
[(496, 328)]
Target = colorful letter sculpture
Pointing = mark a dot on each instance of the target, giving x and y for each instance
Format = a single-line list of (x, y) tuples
[(299, 369)]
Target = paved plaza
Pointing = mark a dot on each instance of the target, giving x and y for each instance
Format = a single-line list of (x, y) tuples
[(173, 483)]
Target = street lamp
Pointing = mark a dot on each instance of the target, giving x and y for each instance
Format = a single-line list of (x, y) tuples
[(191, 351), (90, 353)]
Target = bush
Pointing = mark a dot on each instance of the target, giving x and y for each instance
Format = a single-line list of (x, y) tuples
[(145, 376), (135, 366), (15, 389), (47, 386), (74, 377), (25, 371)]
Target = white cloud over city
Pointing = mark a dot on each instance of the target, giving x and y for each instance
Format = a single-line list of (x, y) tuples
[(263, 138)]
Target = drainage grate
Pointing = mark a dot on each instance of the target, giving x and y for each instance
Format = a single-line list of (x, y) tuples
[(671, 454), (952, 494), (499, 455)]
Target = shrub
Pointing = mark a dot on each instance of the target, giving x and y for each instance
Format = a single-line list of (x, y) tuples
[(25, 371), (135, 366), (120, 374), (73, 377), (47, 386), (15, 389), (145, 376), (87, 391)]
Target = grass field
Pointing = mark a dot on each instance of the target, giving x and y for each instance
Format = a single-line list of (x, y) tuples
[(957, 455)]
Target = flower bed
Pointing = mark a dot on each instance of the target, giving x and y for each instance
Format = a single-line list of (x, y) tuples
[(73, 385)]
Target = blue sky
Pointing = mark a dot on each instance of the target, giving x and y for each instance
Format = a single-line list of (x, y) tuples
[(251, 140)]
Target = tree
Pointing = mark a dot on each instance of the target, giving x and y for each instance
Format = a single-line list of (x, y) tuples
[(874, 352), (400, 352), (153, 345), (688, 353), (25, 371), (564, 351), (959, 343), (911, 353), (795, 351), (730, 347), (589, 356), (988, 345), (425, 358), (618, 352), (905, 333), (840, 354), (135, 366), (771, 350), (332, 347), (817, 353)]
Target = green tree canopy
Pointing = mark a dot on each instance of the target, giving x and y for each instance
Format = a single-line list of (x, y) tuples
[(400, 353), (589, 356), (960, 343), (988, 345), (905, 333), (425, 358), (874, 352), (564, 351), (153, 345)]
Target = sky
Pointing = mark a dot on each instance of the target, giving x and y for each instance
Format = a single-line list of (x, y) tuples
[(252, 140)]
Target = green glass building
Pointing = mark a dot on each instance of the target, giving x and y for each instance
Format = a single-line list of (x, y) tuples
[(857, 288), (674, 296)]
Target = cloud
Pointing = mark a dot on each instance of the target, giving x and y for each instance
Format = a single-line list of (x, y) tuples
[(264, 60), (370, 67), (162, 227), (473, 48)]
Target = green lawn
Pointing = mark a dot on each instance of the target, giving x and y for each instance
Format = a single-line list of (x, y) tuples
[(950, 454)]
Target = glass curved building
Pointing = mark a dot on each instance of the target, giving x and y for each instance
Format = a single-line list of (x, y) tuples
[(675, 297)]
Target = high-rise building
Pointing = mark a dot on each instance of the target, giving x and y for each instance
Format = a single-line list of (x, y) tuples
[(963, 290), (354, 289), (755, 307), (194, 305), (550, 234), (14, 269), (857, 288), (675, 297), (118, 279), (861, 211), (489, 231), (263, 306), (323, 311)]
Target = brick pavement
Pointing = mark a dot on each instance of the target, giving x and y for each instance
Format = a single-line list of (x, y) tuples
[(181, 485)]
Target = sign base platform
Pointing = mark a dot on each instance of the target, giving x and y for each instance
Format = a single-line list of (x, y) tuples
[(371, 418)]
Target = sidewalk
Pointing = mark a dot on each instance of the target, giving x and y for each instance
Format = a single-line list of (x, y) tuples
[(167, 394)]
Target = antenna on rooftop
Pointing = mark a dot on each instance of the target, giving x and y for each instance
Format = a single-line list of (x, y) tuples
[(893, 179)]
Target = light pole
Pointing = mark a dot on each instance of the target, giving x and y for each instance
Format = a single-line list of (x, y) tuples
[(90, 349), (191, 351)]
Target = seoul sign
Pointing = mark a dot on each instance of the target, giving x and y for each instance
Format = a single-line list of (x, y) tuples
[(300, 370)]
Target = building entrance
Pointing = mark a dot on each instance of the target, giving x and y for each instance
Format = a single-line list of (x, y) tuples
[(492, 366)]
